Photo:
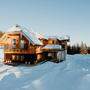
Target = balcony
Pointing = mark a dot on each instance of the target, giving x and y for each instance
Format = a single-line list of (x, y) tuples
[(19, 51)]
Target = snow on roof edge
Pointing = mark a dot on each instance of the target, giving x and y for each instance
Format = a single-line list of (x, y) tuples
[(31, 36)]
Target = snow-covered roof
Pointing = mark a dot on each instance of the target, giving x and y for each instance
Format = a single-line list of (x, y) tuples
[(40, 36), (52, 46), (30, 35), (66, 37)]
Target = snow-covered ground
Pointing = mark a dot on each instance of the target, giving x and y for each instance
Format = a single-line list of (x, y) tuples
[(72, 74)]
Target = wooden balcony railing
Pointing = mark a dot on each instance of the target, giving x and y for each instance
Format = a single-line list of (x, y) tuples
[(20, 51)]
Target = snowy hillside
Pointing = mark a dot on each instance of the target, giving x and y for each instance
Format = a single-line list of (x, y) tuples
[(72, 74)]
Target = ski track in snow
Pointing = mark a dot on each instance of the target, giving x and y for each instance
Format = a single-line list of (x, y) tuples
[(72, 74)]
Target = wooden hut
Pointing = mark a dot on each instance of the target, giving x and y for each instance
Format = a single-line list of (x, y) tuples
[(20, 45)]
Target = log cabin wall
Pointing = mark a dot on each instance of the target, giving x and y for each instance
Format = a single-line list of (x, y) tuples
[(18, 48), (15, 41), (63, 43), (53, 41), (44, 41)]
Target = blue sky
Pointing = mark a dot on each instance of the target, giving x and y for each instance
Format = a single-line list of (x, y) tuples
[(50, 17)]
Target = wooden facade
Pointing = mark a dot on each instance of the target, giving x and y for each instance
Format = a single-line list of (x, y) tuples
[(55, 54), (56, 40), (20, 47)]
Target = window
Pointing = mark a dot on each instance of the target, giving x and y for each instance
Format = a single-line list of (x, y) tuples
[(13, 43), (22, 44)]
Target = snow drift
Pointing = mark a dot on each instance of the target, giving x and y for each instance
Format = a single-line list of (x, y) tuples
[(72, 74)]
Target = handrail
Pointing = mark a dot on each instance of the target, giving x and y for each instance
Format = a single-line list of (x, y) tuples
[(31, 50)]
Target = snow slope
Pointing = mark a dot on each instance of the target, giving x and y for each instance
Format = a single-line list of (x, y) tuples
[(72, 74)]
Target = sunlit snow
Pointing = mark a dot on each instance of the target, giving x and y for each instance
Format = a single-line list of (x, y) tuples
[(72, 74)]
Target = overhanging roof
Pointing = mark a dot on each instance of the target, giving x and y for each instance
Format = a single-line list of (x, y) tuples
[(28, 34)]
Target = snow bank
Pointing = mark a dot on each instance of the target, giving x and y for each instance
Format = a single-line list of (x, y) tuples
[(72, 74), (1, 55)]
